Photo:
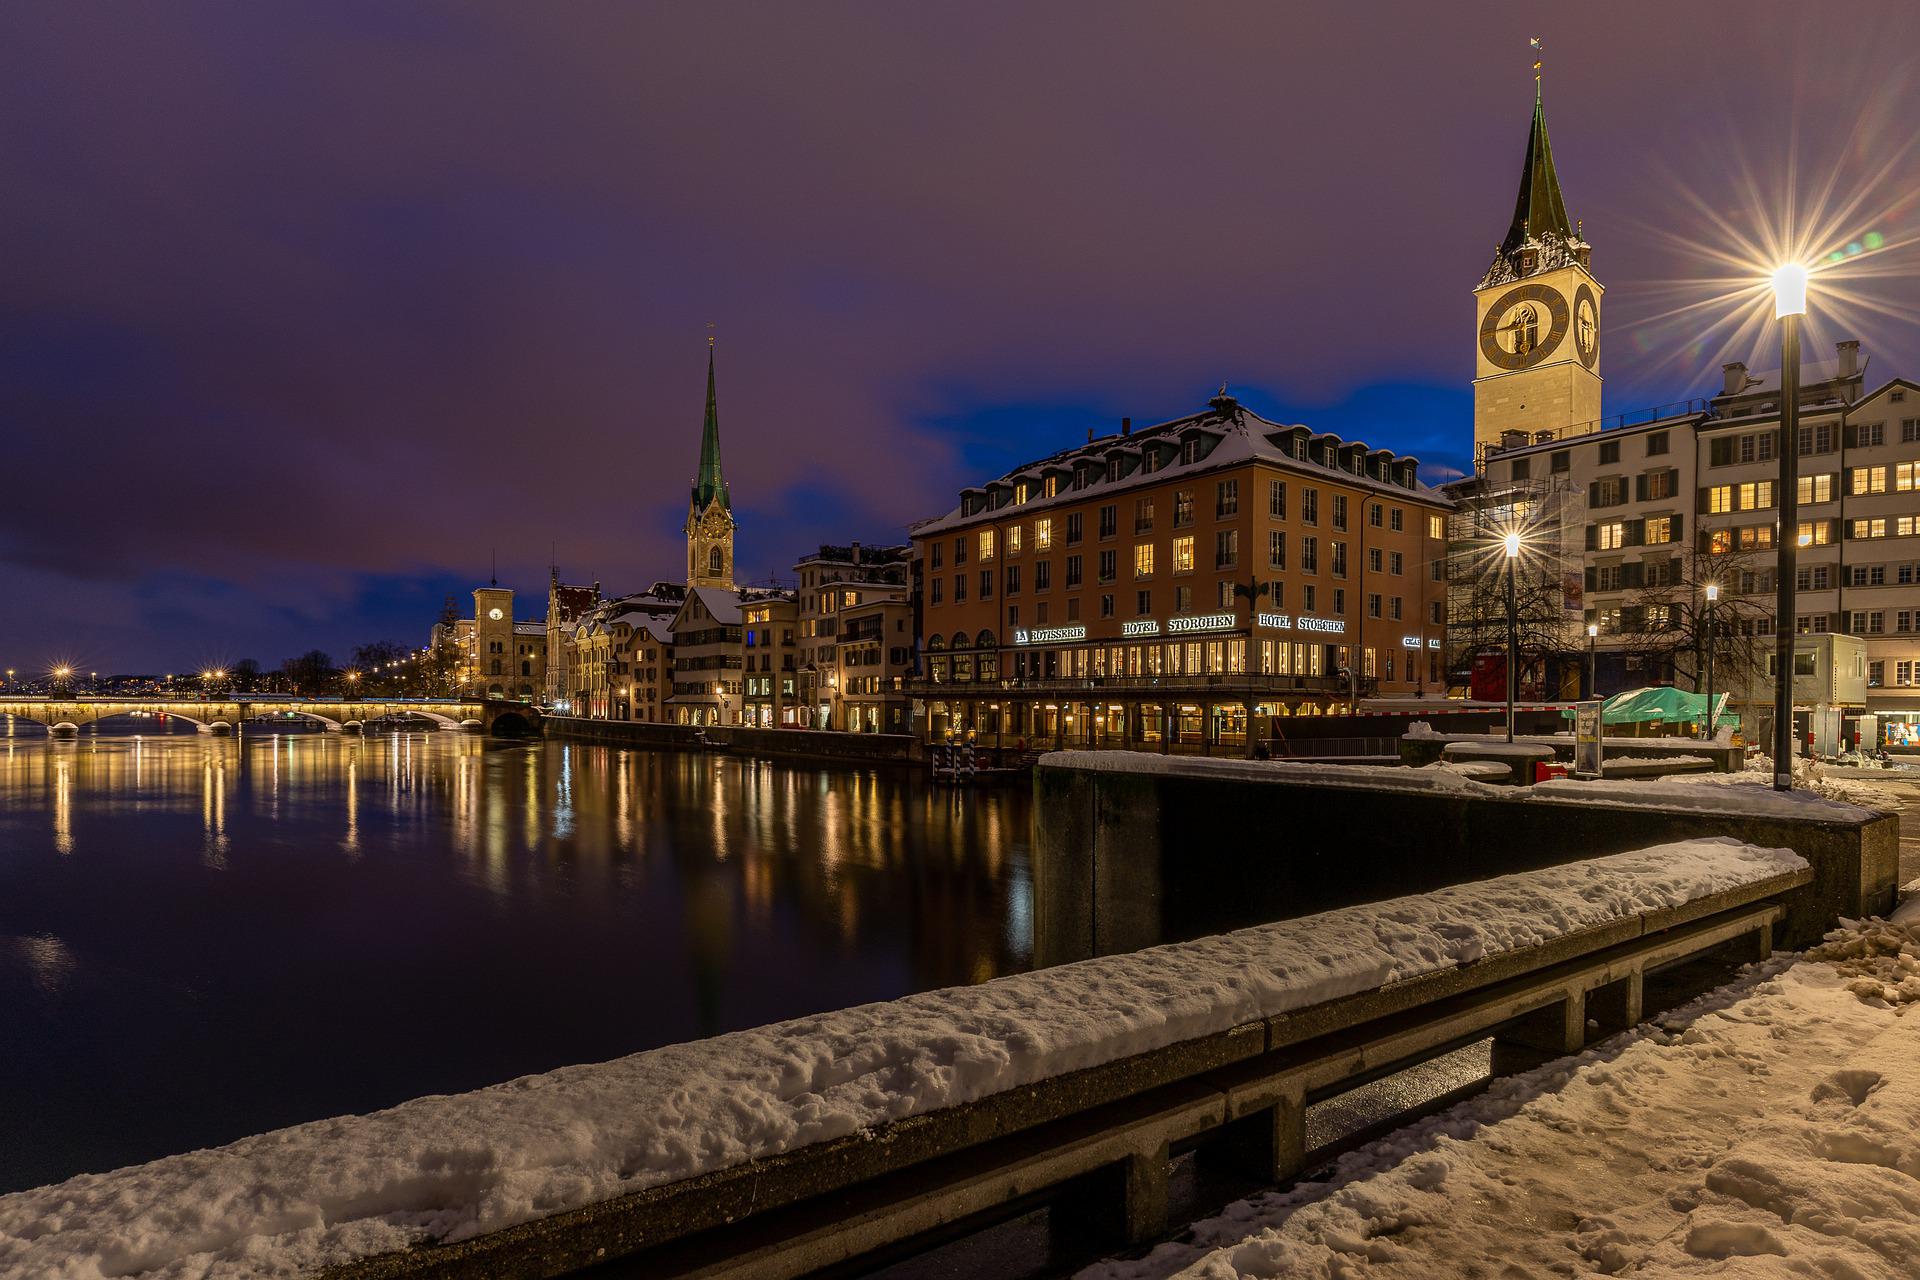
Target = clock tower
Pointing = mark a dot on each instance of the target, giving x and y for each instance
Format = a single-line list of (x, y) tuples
[(1537, 357), (710, 509)]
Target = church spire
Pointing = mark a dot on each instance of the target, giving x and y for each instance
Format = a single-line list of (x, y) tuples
[(709, 485), (1541, 236), (1539, 211)]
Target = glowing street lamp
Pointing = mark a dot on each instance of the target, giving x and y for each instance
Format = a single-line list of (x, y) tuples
[(1789, 304), (1511, 544)]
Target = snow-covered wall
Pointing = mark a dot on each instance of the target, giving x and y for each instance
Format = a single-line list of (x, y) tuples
[(1133, 849), (453, 1168)]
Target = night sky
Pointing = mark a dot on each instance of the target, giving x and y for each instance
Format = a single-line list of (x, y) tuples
[(308, 310)]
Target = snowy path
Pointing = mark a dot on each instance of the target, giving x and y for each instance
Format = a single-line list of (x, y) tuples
[(1771, 1129)]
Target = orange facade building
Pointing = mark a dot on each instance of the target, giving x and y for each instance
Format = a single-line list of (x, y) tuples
[(1161, 585)]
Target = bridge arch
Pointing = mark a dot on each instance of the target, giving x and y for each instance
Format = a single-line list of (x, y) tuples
[(81, 714)]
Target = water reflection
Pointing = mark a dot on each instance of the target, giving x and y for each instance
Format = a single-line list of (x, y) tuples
[(291, 926)]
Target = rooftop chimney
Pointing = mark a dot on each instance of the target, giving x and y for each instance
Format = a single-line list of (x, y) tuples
[(856, 553), (1089, 435), (1848, 353), (1736, 378), (1126, 426)]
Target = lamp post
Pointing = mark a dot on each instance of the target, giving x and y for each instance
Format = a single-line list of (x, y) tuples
[(1789, 304), (1251, 590), (1511, 544), (1713, 598), (1593, 677)]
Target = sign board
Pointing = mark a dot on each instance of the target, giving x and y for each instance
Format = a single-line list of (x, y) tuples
[(1586, 739)]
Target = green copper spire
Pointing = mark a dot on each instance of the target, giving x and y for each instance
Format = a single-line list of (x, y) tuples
[(709, 484), (1539, 210)]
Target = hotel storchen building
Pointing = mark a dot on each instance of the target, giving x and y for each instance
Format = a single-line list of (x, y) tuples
[(1158, 587)]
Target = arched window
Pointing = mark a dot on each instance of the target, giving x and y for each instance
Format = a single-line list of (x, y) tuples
[(935, 642), (960, 640), (526, 668), (713, 560), (985, 640)]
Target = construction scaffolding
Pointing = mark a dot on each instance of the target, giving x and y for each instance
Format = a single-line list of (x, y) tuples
[(1549, 588)]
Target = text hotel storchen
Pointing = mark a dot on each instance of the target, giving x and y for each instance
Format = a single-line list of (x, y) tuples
[(1184, 624)]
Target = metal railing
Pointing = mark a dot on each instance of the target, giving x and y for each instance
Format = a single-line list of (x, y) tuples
[(1223, 684)]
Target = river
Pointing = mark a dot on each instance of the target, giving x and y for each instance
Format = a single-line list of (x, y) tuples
[(202, 938)]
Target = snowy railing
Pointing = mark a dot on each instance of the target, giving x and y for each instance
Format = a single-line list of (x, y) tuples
[(802, 1144)]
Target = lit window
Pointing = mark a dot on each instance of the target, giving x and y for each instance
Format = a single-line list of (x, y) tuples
[(1143, 560), (986, 544), (1720, 499), (1613, 536), (1659, 530), (1013, 541), (1042, 534), (1183, 554)]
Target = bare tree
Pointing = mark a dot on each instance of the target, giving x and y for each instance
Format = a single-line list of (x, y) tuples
[(1546, 615), (1670, 623), (311, 673)]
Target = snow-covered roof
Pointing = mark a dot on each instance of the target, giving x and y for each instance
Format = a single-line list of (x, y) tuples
[(1242, 435), (721, 606), (657, 626)]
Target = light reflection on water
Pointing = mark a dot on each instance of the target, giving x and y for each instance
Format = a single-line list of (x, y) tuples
[(206, 937)]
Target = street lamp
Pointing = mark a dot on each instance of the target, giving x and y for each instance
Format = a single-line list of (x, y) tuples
[(1713, 598), (1789, 304), (1511, 544), (1593, 678)]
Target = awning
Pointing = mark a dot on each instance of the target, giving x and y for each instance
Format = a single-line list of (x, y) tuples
[(1661, 705)]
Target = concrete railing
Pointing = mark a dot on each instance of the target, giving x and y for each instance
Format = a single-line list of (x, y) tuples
[(1097, 1142), (1132, 850)]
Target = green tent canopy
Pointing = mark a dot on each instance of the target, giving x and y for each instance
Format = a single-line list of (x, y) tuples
[(1661, 705)]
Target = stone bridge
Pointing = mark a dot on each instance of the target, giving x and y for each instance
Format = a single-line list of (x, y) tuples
[(224, 714)]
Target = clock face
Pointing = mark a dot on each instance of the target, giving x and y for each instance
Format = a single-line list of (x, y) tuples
[(1523, 327), (494, 614), (1586, 325)]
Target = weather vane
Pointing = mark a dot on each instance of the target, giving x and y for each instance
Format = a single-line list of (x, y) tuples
[(710, 334), (1533, 42)]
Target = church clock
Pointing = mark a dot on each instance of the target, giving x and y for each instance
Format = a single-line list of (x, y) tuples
[(1523, 326), (1586, 325)]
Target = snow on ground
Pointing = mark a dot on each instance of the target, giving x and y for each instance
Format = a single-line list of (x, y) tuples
[(1771, 1129), (450, 1168)]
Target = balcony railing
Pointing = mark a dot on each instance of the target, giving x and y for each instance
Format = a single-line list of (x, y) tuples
[(1224, 685)]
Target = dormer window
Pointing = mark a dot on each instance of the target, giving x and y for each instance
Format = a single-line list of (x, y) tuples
[(1020, 492), (1052, 484)]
